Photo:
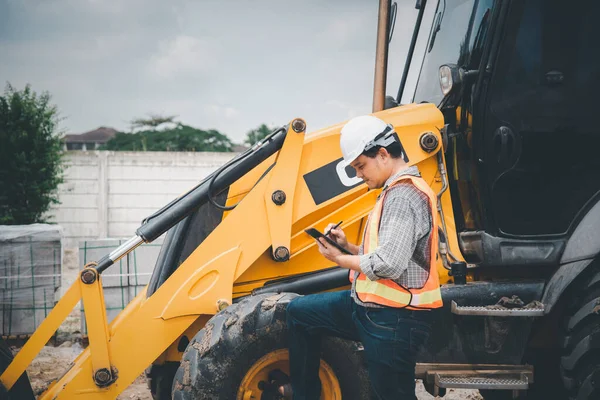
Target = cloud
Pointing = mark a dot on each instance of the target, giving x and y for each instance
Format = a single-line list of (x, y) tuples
[(222, 111), (227, 65), (345, 29), (184, 56), (351, 110)]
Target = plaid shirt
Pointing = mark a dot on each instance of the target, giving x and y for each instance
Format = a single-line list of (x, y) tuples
[(404, 231)]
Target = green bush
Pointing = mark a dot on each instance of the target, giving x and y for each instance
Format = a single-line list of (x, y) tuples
[(30, 156), (180, 138), (257, 134)]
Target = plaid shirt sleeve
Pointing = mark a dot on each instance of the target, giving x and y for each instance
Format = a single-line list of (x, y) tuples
[(403, 224)]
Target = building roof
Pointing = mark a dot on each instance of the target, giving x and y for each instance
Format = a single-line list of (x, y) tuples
[(100, 135), (239, 148)]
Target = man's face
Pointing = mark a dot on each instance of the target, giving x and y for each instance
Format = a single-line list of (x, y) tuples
[(371, 170)]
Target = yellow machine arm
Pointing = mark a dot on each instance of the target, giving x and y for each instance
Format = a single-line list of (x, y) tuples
[(261, 239)]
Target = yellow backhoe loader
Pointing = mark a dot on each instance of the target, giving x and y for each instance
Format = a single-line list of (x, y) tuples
[(501, 125)]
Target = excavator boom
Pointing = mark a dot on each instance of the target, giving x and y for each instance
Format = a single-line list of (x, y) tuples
[(262, 237)]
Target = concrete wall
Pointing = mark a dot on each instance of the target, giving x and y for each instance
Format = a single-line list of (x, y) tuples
[(107, 194)]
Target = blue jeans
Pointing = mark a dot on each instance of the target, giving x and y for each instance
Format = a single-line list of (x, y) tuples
[(391, 339)]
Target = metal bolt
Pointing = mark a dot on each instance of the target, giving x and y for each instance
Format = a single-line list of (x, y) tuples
[(278, 197), (281, 254), (222, 304), (88, 276), (102, 377), (298, 125), (429, 142)]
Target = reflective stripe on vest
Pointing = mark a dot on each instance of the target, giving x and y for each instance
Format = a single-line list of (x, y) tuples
[(386, 292)]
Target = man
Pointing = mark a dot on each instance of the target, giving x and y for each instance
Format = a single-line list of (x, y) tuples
[(394, 281)]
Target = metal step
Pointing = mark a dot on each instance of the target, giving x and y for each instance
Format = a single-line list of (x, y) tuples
[(475, 376), (496, 311), (499, 381)]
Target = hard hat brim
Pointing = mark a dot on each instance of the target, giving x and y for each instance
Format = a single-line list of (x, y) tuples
[(347, 162)]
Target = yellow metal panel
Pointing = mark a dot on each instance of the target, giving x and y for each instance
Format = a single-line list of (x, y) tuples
[(212, 280), (131, 307), (92, 296), (284, 178), (322, 147), (173, 353)]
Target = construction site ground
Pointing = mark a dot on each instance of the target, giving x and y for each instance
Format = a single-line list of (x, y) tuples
[(51, 362)]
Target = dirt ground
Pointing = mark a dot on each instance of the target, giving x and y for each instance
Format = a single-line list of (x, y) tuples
[(52, 362)]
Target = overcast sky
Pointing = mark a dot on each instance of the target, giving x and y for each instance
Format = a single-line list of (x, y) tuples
[(229, 65)]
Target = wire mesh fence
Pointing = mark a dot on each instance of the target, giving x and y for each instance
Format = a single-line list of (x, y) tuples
[(31, 271)]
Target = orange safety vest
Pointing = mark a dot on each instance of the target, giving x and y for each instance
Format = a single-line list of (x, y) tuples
[(386, 292)]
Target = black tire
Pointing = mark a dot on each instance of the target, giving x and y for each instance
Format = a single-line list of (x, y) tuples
[(547, 382), (580, 363), (160, 380), (217, 359), (21, 390)]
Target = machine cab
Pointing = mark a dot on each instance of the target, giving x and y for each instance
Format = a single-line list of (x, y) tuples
[(521, 149)]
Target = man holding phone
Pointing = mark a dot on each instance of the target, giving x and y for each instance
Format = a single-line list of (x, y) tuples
[(395, 285)]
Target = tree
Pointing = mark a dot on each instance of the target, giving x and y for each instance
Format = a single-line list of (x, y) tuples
[(30, 156), (257, 134), (180, 138), (153, 121)]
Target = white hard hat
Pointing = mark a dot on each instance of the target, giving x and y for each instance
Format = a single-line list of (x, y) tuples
[(362, 133)]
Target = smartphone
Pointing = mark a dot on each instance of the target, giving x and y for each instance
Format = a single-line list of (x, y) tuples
[(317, 234)]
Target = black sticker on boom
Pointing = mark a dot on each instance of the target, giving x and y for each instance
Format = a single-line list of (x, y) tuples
[(331, 180)]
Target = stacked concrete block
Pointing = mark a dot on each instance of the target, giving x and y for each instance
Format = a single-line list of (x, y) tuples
[(122, 281), (30, 275)]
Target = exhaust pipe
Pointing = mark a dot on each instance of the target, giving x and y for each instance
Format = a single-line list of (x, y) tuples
[(381, 55)]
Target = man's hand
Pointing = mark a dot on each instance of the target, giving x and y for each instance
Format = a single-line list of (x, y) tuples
[(328, 251), (337, 235), (334, 255)]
